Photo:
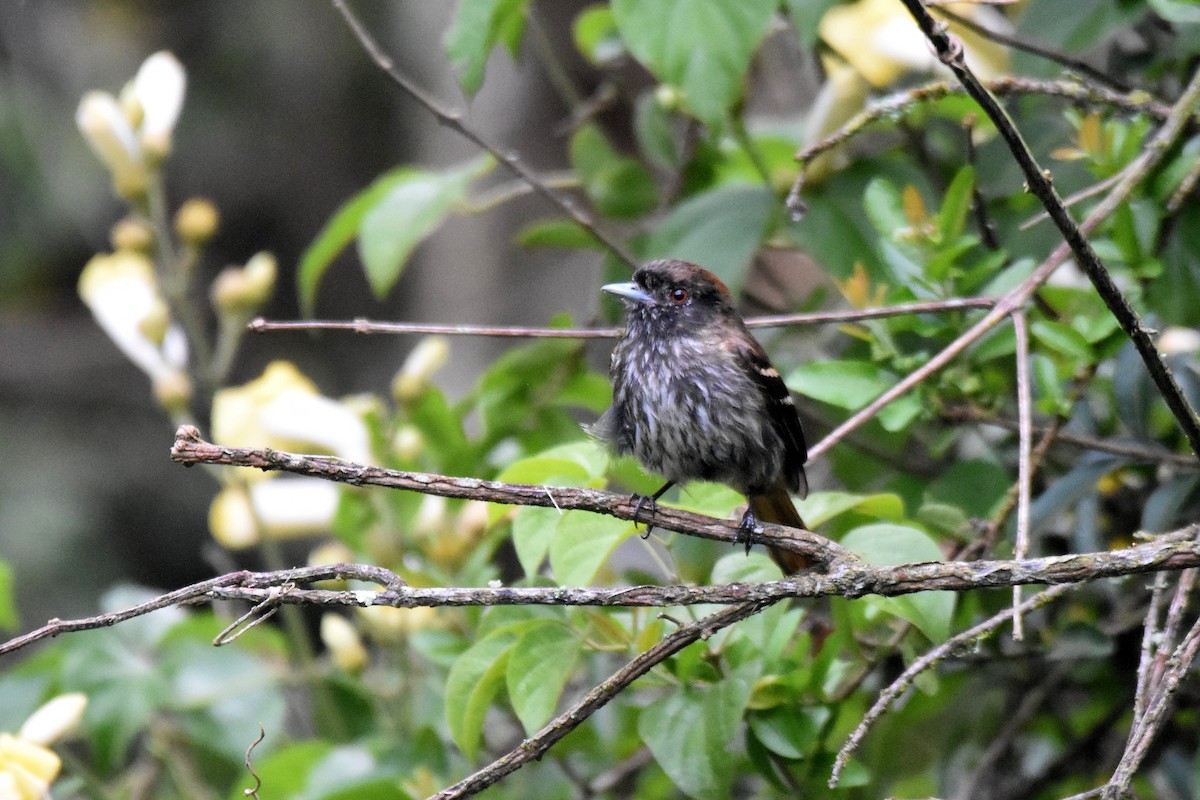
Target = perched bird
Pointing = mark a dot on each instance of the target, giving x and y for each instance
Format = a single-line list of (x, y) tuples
[(696, 398)]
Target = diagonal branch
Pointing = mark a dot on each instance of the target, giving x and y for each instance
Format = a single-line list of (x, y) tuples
[(453, 120), (190, 449), (1039, 182)]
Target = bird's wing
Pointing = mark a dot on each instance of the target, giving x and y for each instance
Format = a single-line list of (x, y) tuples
[(782, 410)]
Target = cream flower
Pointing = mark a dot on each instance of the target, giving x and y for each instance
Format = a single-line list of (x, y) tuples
[(283, 409), (132, 135), (241, 516), (27, 766), (122, 293)]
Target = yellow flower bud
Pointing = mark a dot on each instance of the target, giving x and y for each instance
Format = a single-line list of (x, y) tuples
[(388, 624), (244, 290), (344, 644), (54, 719), (430, 355), (155, 322), (108, 132), (133, 235), (196, 221), (173, 392), (231, 519), (408, 443)]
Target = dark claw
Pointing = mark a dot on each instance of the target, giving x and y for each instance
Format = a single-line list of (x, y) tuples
[(745, 531), (644, 500)]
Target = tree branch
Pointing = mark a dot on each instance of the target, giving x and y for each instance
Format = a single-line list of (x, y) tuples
[(1040, 184), (453, 120)]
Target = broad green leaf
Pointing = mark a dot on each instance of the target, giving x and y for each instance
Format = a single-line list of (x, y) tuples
[(538, 669), (806, 16), (720, 230), (338, 233), (956, 204), (703, 47), (886, 544), (532, 531), (1050, 397), (688, 730), (285, 771), (220, 694), (820, 507), (975, 486), (472, 685), (619, 186), (655, 132), (1063, 339), (789, 732), (405, 215), (898, 414), (845, 384), (478, 26), (582, 543), (884, 205), (563, 233)]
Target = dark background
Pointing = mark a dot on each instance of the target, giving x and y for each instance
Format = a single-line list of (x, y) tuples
[(285, 119)]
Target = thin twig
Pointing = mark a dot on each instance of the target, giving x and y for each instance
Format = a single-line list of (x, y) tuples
[(1136, 452), (1036, 48), (926, 661), (1039, 182), (365, 326), (1150, 637), (535, 746), (454, 120), (1143, 733), (1024, 465)]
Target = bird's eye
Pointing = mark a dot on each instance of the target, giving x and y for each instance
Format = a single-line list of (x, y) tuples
[(680, 296)]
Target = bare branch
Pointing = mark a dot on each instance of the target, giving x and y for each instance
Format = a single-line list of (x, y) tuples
[(365, 326), (453, 120), (1039, 181), (928, 660), (190, 449)]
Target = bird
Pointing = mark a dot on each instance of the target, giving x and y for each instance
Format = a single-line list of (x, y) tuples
[(695, 397)]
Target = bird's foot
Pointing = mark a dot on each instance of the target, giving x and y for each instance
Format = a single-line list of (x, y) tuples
[(746, 531), (644, 500)]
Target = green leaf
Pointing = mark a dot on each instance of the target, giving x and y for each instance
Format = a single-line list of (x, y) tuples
[(720, 230), (845, 384), (538, 669), (687, 732), (563, 233), (582, 543), (956, 205), (703, 47), (285, 771), (221, 694), (472, 685), (887, 544), (1063, 339), (405, 215), (619, 186), (655, 133), (478, 26), (820, 507), (596, 35), (8, 607), (338, 233), (789, 732)]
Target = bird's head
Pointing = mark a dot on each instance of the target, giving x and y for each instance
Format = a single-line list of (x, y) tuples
[(669, 289)]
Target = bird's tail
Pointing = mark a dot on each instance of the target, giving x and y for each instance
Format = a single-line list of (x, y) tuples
[(777, 506)]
